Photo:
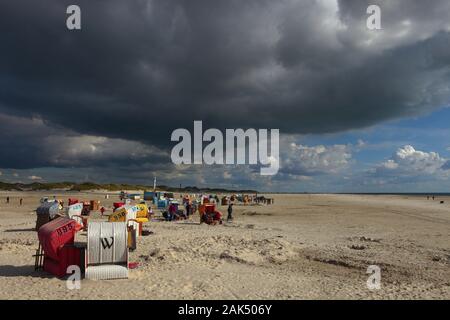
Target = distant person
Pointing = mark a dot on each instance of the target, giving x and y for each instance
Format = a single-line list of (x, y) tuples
[(150, 212), (171, 212), (433, 197), (102, 210), (7, 199), (188, 209), (20, 201), (230, 212)]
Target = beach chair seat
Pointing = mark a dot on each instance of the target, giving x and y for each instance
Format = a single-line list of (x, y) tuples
[(142, 220), (106, 272)]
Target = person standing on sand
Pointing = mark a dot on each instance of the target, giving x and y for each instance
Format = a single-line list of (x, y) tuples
[(20, 201), (188, 209), (7, 199), (230, 212), (171, 212), (194, 207)]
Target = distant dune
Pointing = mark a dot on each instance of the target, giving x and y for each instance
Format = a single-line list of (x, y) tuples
[(88, 186)]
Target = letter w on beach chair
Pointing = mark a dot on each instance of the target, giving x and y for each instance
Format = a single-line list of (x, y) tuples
[(107, 251)]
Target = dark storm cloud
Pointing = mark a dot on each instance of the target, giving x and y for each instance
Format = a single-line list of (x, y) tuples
[(139, 69), (30, 143)]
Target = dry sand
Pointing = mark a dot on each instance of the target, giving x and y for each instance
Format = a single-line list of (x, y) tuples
[(302, 247)]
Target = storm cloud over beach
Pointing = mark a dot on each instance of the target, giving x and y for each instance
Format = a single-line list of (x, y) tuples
[(356, 108)]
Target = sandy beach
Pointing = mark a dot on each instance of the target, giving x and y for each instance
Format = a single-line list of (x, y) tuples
[(302, 247)]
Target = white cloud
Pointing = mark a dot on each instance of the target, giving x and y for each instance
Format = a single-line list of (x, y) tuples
[(71, 150), (403, 22), (310, 160), (390, 164), (407, 161), (361, 143), (227, 175), (35, 178)]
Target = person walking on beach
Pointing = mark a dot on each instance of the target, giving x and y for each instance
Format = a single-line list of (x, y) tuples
[(7, 199), (230, 212), (20, 201)]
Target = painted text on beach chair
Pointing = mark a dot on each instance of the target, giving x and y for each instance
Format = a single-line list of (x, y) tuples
[(55, 234), (127, 214), (74, 212), (57, 241)]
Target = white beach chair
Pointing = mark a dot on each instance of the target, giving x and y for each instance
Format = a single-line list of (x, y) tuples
[(107, 251), (74, 212), (132, 212)]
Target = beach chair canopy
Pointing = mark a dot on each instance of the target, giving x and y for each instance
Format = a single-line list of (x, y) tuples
[(55, 234), (50, 208), (74, 210)]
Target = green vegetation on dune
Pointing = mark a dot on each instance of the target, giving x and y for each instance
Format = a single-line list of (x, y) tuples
[(86, 186), (110, 187), (8, 186)]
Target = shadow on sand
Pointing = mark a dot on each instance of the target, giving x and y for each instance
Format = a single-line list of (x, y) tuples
[(21, 230), (23, 271), (188, 223)]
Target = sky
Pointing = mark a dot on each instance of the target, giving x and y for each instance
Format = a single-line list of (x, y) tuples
[(358, 110)]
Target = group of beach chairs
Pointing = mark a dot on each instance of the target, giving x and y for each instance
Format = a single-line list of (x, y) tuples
[(105, 253)]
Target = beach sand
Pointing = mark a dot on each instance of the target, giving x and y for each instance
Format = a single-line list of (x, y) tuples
[(301, 247)]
